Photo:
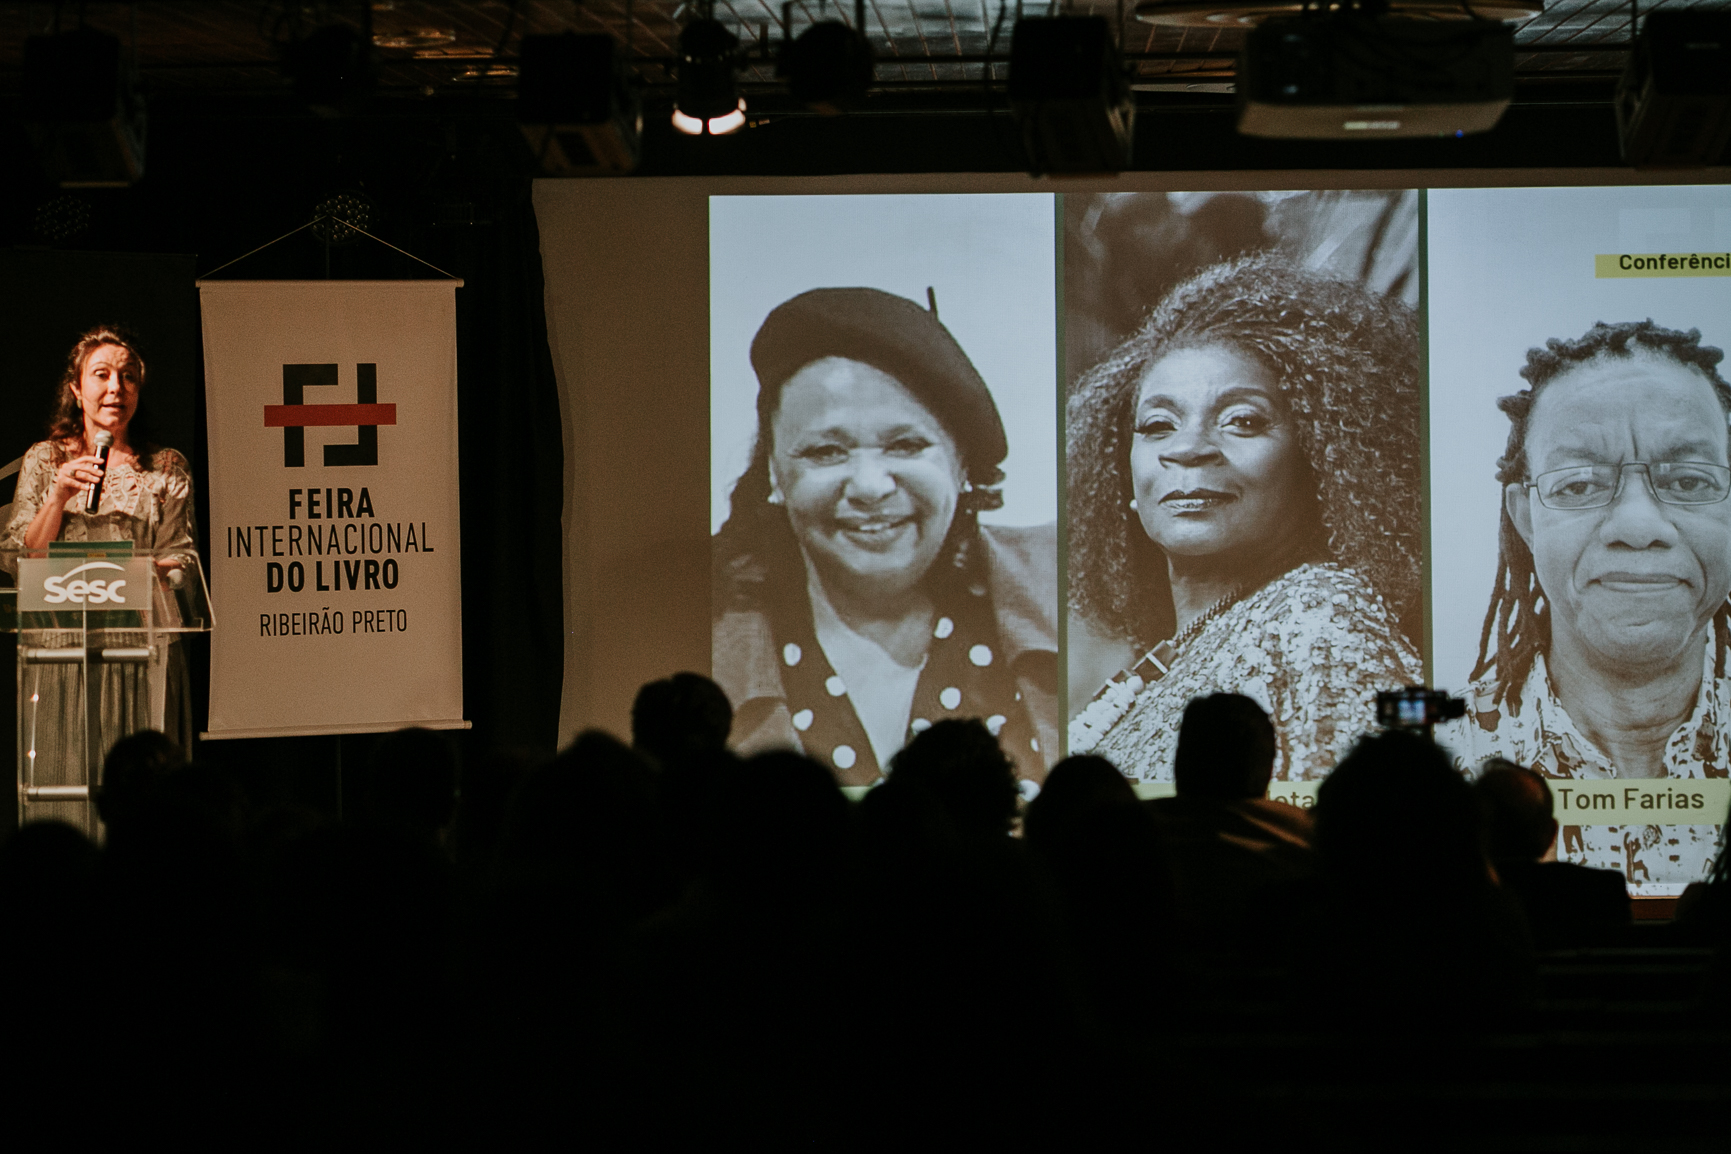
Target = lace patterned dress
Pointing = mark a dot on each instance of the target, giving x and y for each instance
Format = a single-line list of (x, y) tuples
[(1312, 647), (152, 508)]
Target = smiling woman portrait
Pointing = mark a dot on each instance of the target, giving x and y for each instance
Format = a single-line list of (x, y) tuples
[(1244, 477), (1603, 653), (856, 598)]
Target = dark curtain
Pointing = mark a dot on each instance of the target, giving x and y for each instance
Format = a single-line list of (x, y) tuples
[(511, 442)]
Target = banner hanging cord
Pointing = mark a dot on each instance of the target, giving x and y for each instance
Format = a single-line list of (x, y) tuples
[(344, 224)]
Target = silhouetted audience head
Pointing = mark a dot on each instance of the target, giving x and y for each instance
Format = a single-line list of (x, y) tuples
[(960, 764), (787, 828), (1225, 749), (1395, 811), (487, 786), (1074, 786), (588, 820), (1516, 805), (686, 715), (133, 771), (411, 782), (41, 865), (696, 794)]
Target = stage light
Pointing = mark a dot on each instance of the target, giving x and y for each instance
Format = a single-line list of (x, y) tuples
[(576, 105), (1357, 76), (708, 100), (84, 117), (415, 38), (714, 126), (336, 219), (1674, 100), (62, 218), (1071, 95), (829, 67)]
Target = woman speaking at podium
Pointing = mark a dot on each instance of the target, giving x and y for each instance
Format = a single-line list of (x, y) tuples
[(144, 495)]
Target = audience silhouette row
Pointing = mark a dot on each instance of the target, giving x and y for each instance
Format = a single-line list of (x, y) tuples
[(672, 940)]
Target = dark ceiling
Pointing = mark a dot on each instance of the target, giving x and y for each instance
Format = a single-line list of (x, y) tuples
[(937, 105), (429, 47)]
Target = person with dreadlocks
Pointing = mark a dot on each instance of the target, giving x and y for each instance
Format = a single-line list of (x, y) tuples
[(1603, 652), (1244, 498)]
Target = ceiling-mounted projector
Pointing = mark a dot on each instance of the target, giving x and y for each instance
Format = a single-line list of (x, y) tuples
[(1674, 101), (1356, 76), (1248, 13)]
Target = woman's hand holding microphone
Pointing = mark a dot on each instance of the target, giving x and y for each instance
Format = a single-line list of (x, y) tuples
[(72, 478)]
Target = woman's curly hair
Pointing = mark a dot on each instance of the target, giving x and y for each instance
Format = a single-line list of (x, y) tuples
[(1517, 625), (1347, 362)]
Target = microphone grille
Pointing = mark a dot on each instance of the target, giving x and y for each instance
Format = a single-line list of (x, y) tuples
[(104, 439)]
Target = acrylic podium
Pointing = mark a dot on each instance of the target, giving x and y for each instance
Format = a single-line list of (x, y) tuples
[(97, 622)]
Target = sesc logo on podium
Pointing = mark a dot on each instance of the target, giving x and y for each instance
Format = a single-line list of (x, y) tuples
[(93, 591), (81, 583)]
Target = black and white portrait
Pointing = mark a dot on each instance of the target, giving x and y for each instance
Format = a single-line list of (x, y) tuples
[(883, 472), (1245, 466), (1585, 460)]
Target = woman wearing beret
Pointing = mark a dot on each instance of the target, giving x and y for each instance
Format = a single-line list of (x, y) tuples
[(1244, 511), (857, 599)]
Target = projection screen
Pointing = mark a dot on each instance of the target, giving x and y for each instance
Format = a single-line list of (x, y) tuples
[(880, 451)]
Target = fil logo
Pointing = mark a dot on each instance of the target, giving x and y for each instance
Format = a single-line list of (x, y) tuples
[(68, 586), (294, 415)]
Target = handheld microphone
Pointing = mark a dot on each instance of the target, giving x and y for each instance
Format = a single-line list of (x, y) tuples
[(104, 442)]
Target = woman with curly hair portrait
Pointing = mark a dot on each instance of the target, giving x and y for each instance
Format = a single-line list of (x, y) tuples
[(857, 600), (1603, 652), (1244, 495)]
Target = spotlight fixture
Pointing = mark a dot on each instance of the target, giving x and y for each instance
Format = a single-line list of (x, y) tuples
[(708, 101), (1070, 95), (1674, 100), (415, 38), (338, 219), (85, 119), (61, 218), (829, 67), (576, 105)]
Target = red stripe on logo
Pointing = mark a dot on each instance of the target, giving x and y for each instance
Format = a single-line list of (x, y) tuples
[(295, 416)]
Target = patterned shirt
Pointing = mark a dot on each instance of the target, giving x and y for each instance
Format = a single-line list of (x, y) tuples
[(1657, 859), (1312, 647)]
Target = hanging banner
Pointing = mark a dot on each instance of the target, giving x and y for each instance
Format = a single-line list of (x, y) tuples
[(333, 500)]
